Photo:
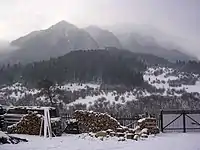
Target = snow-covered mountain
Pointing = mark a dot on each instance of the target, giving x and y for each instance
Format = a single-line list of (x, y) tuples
[(55, 41), (63, 37), (150, 40), (103, 37)]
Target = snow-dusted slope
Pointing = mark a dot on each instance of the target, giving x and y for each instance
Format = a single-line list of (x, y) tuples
[(170, 79), (163, 81), (76, 87), (13, 93), (16, 91), (111, 97)]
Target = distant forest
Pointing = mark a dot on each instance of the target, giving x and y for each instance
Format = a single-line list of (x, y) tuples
[(109, 67)]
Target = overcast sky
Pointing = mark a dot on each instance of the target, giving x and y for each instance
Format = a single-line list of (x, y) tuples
[(176, 17)]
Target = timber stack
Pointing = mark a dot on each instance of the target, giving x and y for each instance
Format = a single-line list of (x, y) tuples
[(29, 124), (89, 121), (150, 124)]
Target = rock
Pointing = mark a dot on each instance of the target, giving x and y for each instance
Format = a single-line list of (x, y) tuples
[(91, 134), (121, 139), (136, 137), (112, 134), (120, 134), (144, 135), (129, 135), (101, 134), (101, 138)]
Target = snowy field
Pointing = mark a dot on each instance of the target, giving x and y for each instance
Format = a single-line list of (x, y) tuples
[(168, 141)]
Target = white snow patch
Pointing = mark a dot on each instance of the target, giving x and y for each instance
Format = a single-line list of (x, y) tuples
[(3, 135)]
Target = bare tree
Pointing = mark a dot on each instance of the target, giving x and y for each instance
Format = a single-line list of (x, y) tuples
[(46, 86)]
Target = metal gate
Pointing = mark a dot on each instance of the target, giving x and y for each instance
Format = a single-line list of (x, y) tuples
[(180, 121)]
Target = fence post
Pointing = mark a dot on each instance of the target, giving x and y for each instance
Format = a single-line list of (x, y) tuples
[(184, 127), (161, 120)]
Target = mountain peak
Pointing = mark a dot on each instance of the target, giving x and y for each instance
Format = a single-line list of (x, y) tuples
[(63, 25)]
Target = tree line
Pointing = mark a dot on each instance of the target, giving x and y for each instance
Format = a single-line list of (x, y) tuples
[(103, 66)]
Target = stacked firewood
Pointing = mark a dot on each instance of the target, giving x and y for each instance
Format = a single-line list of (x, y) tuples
[(150, 124), (56, 126), (89, 121), (29, 124)]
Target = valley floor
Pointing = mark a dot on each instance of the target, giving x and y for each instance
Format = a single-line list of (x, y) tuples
[(168, 141)]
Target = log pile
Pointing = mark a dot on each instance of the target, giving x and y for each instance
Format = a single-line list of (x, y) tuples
[(72, 127), (89, 121), (56, 126), (101, 125), (29, 124), (150, 124)]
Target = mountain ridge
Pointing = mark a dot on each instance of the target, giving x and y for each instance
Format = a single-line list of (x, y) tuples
[(104, 38), (63, 37), (57, 40)]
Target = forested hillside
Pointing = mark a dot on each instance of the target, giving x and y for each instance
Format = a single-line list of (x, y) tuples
[(105, 66), (190, 66)]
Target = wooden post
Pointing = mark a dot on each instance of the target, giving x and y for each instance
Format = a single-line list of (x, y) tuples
[(184, 126), (41, 126), (161, 120), (47, 123)]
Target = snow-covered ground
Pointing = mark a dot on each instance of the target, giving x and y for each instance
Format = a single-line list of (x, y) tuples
[(75, 87), (16, 91), (172, 141), (161, 80), (109, 97)]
